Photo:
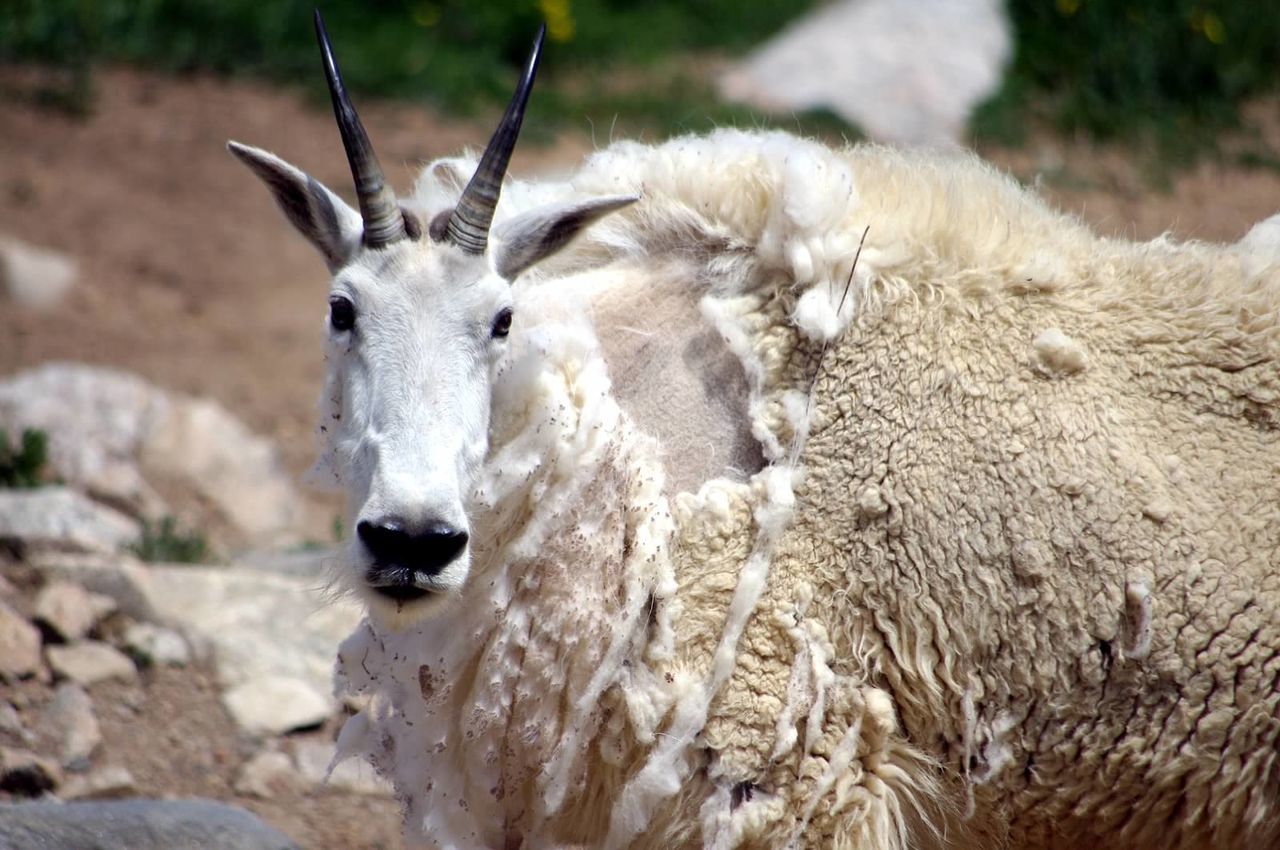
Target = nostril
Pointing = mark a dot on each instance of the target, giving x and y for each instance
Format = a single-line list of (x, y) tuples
[(384, 537), (444, 541), (428, 549)]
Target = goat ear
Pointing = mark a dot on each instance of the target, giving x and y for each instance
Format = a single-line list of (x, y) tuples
[(317, 213), (535, 235)]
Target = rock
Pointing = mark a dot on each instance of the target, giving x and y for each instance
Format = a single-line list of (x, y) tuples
[(71, 715), (96, 420), (11, 724), (69, 610), (25, 774), (904, 71), (119, 438), (259, 625), (61, 519), (137, 825), (34, 277), (353, 774), (107, 783), (267, 774), (88, 662), (19, 645), (238, 471), (155, 645), (275, 705), (116, 576)]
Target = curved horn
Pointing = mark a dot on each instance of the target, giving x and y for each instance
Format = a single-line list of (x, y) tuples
[(383, 221), (469, 225)]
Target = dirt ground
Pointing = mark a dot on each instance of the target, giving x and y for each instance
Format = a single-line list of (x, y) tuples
[(190, 277)]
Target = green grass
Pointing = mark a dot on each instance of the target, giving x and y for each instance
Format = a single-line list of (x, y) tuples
[(1167, 76), (22, 466), (163, 542), (462, 56)]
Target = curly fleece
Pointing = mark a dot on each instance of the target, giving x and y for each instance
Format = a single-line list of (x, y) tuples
[(1008, 576)]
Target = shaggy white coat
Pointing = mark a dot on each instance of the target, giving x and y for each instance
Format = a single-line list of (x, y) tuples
[(997, 567)]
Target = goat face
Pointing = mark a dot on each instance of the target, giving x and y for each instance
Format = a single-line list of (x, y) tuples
[(413, 336), (418, 316)]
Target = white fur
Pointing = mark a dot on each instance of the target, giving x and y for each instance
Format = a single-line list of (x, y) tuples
[(553, 662)]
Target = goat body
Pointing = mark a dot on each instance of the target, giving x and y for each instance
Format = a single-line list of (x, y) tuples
[(974, 545)]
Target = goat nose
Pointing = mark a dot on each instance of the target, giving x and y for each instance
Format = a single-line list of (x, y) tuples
[(393, 542)]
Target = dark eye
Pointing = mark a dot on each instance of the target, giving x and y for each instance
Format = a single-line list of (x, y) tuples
[(502, 323), (342, 313)]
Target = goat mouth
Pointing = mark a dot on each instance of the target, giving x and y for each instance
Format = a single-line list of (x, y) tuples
[(399, 584), (401, 592)]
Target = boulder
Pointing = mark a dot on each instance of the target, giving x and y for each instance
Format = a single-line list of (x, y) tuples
[(19, 645), (60, 519), (903, 71), (88, 662), (106, 783), (267, 774), (274, 705), (203, 445), (138, 825), (11, 724), (122, 440), (117, 576), (156, 645), (70, 611), (26, 774), (71, 716), (96, 420), (260, 626), (33, 277)]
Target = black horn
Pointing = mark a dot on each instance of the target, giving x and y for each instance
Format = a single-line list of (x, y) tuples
[(383, 222), (469, 225)]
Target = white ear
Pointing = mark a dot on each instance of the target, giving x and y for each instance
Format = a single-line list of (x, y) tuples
[(535, 235), (317, 213)]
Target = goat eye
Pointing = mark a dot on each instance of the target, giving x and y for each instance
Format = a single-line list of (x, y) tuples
[(342, 313), (502, 323)]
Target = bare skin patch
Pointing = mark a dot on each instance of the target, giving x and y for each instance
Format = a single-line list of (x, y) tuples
[(674, 375)]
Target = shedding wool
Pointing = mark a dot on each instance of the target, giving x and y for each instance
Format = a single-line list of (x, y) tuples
[(976, 544)]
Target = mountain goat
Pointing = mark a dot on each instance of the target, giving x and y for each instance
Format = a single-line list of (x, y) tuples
[(806, 498)]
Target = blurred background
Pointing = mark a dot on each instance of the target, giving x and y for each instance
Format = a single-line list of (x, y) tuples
[(161, 633)]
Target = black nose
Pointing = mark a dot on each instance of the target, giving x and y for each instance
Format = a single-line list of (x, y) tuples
[(426, 548)]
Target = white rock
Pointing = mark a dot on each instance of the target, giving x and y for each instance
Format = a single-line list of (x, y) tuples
[(240, 472), (110, 432), (62, 519), (105, 783), (906, 71), (353, 774), (71, 715), (260, 625), (70, 610), (27, 774), (11, 724), (88, 662), (275, 705), (157, 644), (19, 645), (267, 774), (96, 420), (116, 576), (34, 277)]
